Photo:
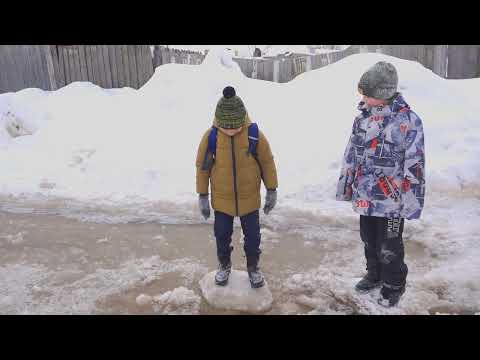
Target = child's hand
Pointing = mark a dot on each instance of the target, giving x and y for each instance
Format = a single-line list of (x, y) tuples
[(204, 205), (270, 201)]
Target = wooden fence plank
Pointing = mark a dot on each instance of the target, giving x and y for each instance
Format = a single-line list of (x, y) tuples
[(101, 68), (149, 66), (113, 65), (72, 58), (96, 66), (88, 61), (74, 61), (3, 80), (50, 68), (120, 66), (20, 68), (140, 61), (61, 64), (133, 66), (42, 55), (29, 67), (94, 57), (107, 67), (126, 66), (66, 65), (268, 70), (71, 63), (144, 57), (83, 63), (157, 57), (59, 73)]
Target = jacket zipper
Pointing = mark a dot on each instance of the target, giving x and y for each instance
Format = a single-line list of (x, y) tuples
[(234, 176)]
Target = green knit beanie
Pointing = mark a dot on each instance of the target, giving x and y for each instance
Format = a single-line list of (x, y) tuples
[(230, 112)]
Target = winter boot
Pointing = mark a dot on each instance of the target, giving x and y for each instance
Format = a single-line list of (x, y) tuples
[(224, 269), (390, 295), (254, 273), (368, 282)]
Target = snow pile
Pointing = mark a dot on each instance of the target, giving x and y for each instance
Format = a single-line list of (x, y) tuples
[(237, 294), (179, 301), (144, 300), (126, 146)]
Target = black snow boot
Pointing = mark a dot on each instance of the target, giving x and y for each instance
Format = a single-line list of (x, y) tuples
[(390, 295), (368, 282), (254, 273), (224, 269)]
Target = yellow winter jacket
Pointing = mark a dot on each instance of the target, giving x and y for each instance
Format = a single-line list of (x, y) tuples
[(235, 176)]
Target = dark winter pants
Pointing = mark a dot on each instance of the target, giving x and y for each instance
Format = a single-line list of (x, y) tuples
[(384, 251), (223, 228)]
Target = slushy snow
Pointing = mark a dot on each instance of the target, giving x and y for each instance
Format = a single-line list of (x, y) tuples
[(179, 301), (237, 294)]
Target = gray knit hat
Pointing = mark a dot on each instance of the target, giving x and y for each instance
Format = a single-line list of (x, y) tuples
[(230, 112), (379, 82)]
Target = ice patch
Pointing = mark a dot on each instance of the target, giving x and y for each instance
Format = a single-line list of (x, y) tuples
[(237, 294)]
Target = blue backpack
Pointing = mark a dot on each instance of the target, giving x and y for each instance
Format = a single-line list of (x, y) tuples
[(212, 145)]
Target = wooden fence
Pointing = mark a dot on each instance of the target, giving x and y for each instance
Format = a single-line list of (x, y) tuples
[(50, 67), (109, 66), (463, 61), (24, 66), (163, 55), (434, 57)]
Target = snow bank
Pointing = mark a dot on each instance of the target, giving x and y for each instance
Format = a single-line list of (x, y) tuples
[(131, 146)]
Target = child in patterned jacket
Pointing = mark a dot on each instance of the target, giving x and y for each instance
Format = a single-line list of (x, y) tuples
[(383, 175)]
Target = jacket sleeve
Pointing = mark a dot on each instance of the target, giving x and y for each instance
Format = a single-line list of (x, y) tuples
[(203, 176), (347, 172), (413, 186), (267, 164)]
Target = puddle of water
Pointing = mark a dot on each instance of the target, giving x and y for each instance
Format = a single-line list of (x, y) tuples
[(53, 264), (73, 249)]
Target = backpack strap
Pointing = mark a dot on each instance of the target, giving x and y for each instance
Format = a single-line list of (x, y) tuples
[(252, 145), (252, 139), (211, 149)]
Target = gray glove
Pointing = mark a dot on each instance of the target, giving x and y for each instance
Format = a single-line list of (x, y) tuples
[(270, 201), (204, 205)]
